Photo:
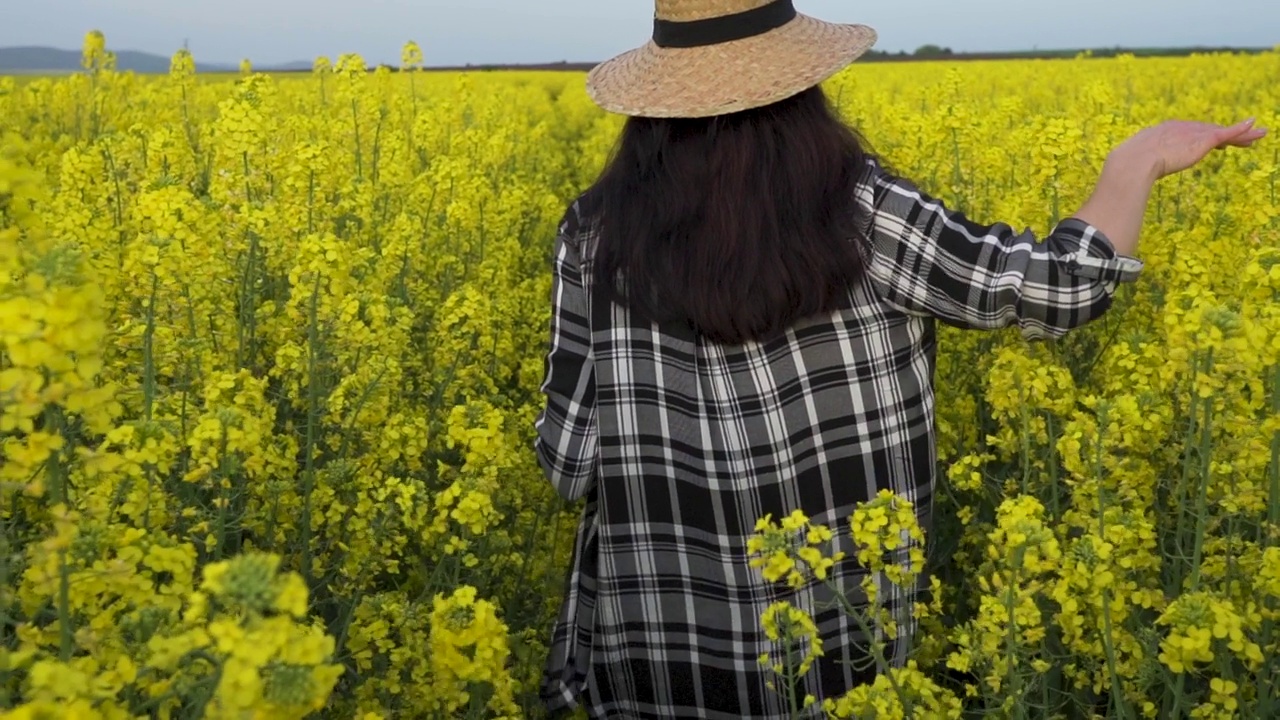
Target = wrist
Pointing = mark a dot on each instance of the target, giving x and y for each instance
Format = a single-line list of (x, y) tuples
[(1132, 165)]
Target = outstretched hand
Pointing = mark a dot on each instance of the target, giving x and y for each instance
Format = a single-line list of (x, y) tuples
[(1120, 198), (1177, 145)]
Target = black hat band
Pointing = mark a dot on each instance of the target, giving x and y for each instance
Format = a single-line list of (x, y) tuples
[(727, 28)]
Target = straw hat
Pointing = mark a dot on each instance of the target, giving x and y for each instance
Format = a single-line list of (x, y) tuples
[(710, 57)]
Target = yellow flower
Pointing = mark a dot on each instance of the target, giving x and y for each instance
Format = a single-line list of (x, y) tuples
[(411, 55), (794, 628), (291, 596)]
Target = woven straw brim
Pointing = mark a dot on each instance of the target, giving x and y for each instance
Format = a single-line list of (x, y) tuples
[(652, 81)]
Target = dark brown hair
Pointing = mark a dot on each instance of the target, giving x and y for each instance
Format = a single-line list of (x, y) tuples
[(738, 224)]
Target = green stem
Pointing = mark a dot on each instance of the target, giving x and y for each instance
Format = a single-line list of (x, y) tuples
[(313, 401), (1266, 683), (1015, 683), (1117, 689), (1026, 449), (882, 664), (1176, 713), (1055, 489), (224, 501), (1177, 501), (1202, 504), (57, 480), (248, 192), (791, 678), (148, 353), (65, 637), (247, 328), (149, 388), (355, 122), (340, 643), (1273, 500), (5, 553), (118, 206)]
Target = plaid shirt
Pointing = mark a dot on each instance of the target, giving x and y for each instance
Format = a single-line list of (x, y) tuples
[(678, 445)]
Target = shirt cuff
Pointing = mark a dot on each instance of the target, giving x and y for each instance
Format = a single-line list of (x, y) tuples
[(1096, 257)]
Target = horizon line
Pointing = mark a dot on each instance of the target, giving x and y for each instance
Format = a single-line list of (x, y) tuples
[(895, 53)]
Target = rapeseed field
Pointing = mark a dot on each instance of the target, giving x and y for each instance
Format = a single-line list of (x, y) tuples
[(270, 355)]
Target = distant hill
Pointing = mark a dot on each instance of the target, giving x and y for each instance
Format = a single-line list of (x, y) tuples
[(47, 59), (295, 66)]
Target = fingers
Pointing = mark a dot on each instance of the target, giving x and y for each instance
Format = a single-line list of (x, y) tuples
[(1245, 142), (1245, 139), (1242, 134), (1231, 132)]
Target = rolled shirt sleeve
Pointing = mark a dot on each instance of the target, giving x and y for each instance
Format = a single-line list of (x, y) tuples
[(928, 260)]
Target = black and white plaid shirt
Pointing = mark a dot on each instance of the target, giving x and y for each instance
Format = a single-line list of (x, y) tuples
[(678, 445)]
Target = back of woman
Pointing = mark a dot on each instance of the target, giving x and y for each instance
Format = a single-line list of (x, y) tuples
[(744, 314)]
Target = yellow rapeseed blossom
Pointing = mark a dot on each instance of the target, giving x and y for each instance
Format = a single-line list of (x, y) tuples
[(889, 538), (901, 694), (792, 550), (794, 632), (1199, 625), (270, 353)]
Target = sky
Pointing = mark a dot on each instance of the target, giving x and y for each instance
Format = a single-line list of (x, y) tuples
[(515, 31)]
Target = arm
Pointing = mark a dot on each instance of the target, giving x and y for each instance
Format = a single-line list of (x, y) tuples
[(568, 437), (1119, 201), (928, 260)]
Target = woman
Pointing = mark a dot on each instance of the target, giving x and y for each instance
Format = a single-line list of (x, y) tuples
[(743, 324)]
